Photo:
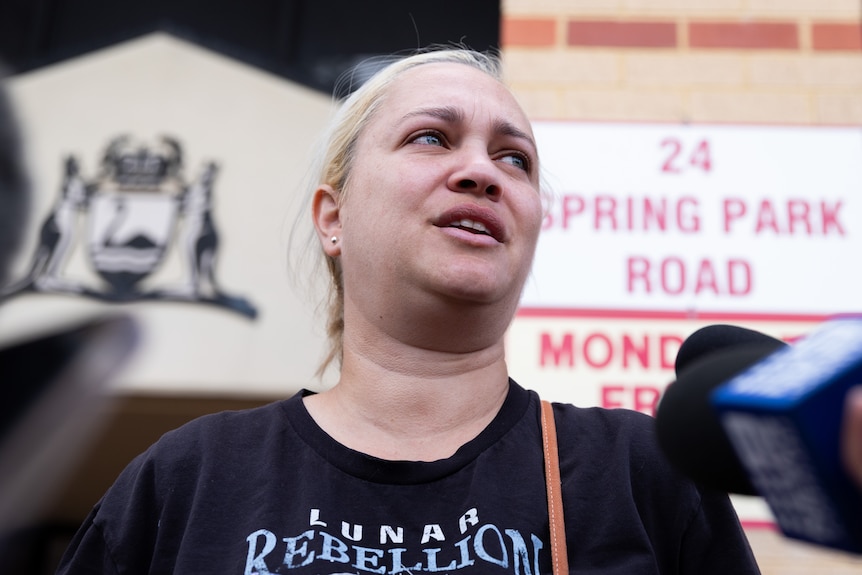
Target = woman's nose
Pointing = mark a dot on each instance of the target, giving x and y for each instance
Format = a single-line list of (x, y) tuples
[(477, 174)]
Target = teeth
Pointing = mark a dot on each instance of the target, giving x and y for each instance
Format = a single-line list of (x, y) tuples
[(471, 225)]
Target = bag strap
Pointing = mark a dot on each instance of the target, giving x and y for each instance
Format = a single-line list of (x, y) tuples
[(559, 555)]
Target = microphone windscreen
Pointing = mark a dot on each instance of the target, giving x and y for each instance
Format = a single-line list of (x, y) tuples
[(783, 417), (689, 429), (712, 338)]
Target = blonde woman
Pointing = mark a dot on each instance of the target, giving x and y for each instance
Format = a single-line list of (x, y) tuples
[(425, 457)]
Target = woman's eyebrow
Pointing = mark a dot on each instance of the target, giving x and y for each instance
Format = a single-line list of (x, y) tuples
[(445, 113), (507, 128), (455, 115)]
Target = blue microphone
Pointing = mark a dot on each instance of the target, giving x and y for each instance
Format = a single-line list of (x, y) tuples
[(688, 428), (783, 418)]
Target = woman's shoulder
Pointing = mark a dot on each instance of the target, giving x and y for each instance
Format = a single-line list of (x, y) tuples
[(620, 437), (203, 446), (219, 435), (604, 423), (589, 429), (613, 466)]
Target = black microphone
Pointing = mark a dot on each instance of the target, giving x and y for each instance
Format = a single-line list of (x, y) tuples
[(717, 337), (688, 428), (779, 412)]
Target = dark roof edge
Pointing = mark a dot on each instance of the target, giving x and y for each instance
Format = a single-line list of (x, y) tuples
[(292, 73)]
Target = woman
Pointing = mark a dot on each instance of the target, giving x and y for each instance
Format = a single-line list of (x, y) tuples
[(425, 456)]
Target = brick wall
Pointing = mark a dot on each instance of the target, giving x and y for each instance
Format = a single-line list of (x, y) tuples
[(734, 61), (760, 61)]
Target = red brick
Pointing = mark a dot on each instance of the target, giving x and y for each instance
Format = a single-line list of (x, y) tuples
[(751, 35), (528, 32), (835, 36), (611, 33)]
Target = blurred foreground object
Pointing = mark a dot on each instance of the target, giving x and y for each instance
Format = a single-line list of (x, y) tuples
[(54, 399), (14, 186)]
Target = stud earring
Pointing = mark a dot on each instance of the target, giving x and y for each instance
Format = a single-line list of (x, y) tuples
[(334, 240)]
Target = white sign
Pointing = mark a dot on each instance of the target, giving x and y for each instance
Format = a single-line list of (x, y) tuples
[(755, 219)]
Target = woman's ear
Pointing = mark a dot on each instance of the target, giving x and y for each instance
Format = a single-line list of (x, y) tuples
[(326, 213)]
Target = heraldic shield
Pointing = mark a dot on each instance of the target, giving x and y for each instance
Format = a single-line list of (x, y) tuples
[(129, 234), (138, 208)]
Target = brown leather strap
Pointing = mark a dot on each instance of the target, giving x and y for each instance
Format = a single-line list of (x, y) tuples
[(559, 556)]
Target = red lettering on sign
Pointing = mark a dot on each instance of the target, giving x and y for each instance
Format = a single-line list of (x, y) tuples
[(706, 278), (640, 352), (572, 206), (687, 218), (830, 218), (599, 350), (700, 158), (643, 398), (739, 277), (612, 396), (557, 355), (792, 217), (734, 209), (675, 276), (766, 218), (672, 275), (605, 209), (799, 214), (605, 212), (669, 165), (638, 274)]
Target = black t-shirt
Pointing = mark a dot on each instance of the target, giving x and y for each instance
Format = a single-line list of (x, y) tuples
[(267, 491)]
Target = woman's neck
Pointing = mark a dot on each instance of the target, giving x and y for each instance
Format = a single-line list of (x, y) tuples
[(399, 402)]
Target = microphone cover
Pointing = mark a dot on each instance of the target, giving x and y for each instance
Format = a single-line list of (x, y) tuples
[(783, 418), (688, 427), (712, 338)]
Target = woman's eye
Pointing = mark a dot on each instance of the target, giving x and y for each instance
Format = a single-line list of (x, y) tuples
[(429, 139), (517, 160)]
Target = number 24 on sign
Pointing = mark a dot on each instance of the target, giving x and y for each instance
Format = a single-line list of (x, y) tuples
[(679, 157)]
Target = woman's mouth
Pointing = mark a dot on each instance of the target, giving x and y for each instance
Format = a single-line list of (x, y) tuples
[(471, 226), (474, 219)]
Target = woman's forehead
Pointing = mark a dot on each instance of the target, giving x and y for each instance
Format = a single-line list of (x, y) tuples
[(452, 85)]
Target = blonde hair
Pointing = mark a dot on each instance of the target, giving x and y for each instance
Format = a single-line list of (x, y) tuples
[(336, 158)]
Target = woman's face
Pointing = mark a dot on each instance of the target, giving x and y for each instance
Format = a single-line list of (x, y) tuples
[(443, 196)]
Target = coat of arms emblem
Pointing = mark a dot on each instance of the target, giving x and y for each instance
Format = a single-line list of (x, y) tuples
[(138, 208)]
